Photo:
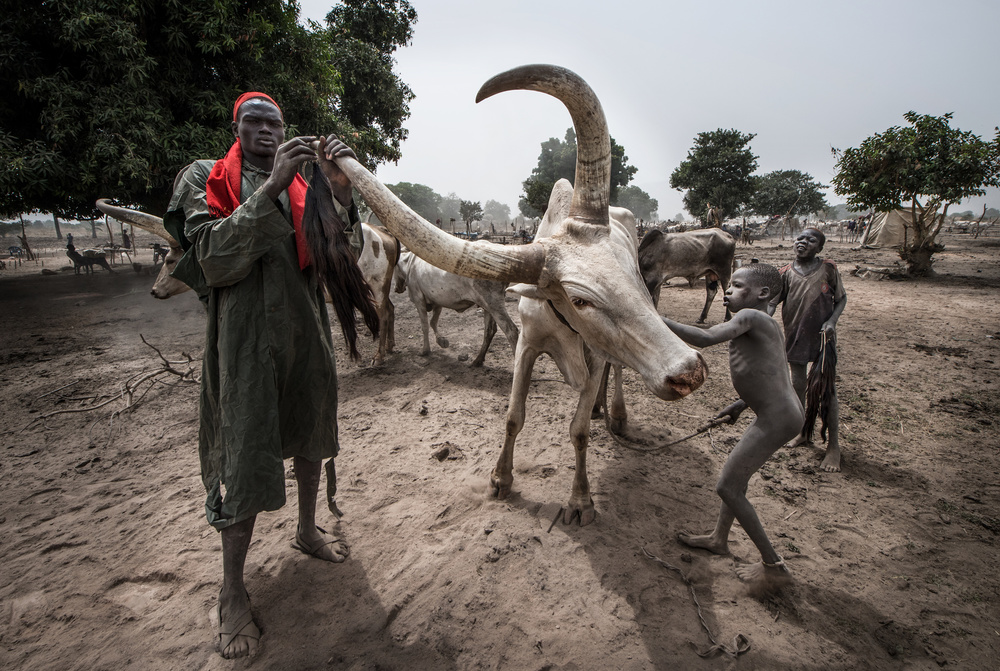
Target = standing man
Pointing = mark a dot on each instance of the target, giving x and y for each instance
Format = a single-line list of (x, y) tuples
[(814, 298), (269, 382)]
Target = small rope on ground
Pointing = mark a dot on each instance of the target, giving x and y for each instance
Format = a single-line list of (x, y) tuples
[(659, 448), (741, 643)]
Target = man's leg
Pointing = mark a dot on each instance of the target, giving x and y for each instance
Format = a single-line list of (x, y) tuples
[(798, 371), (831, 462), (308, 537), (234, 602)]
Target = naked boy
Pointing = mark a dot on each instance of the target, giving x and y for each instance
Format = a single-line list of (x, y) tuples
[(760, 375)]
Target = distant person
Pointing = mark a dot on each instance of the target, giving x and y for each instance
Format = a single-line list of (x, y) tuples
[(126, 241), (813, 296), (760, 375), (69, 239)]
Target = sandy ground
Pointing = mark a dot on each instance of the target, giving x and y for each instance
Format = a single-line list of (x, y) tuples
[(107, 562)]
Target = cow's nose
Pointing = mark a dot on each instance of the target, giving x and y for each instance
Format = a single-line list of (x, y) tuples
[(686, 382)]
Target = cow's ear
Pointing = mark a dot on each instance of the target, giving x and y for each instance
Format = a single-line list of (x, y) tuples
[(526, 290)]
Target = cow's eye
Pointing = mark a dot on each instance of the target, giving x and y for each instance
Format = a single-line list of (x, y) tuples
[(580, 303)]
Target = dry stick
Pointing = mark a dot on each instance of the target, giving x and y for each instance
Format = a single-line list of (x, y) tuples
[(741, 643), (59, 389)]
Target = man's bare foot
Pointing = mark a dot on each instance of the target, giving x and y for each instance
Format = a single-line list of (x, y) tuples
[(768, 577), (317, 543), (707, 542), (831, 462), (237, 635)]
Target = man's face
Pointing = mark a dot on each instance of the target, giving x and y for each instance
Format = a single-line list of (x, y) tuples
[(808, 244), (742, 292), (260, 128)]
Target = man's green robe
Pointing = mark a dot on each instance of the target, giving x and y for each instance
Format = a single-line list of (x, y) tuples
[(269, 382)]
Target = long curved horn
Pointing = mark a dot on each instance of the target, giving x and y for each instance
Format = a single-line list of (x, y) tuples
[(480, 260), (592, 186), (146, 222)]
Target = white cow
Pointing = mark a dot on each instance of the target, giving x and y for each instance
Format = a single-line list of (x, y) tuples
[(431, 289), (583, 272)]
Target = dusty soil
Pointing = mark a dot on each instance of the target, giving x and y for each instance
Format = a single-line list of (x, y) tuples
[(107, 562)]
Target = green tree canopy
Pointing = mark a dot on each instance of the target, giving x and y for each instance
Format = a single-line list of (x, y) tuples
[(470, 211), (422, 199), (110, 98), (718, 170), (642, 205), (787, 192), (924, 167), (496, 211), (558, 161)]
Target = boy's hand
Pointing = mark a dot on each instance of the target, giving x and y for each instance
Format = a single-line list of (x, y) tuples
[(829, 329), (732, 411)]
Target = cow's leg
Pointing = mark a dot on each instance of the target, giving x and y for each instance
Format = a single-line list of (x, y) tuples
[(489, 330), (390, 327), (503, 475), (441, 340), (425, 329), (618, 415), (711, 288), (383, 339), (580, 503)]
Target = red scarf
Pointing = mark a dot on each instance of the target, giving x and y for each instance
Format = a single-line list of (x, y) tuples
[(223, 186)]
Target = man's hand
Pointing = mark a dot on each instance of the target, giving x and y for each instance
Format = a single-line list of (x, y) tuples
[(287, 161), (829, 329), (330, 148)]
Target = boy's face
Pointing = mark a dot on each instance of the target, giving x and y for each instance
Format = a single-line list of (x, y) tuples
[(808, 244), (744, 292)]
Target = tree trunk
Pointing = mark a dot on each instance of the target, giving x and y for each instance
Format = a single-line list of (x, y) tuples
[(55, 220), (93, 228), (918, 260)]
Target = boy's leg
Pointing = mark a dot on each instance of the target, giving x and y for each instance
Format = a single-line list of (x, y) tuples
[(831, 462), (308, 537), (718, 540), (798, 371)]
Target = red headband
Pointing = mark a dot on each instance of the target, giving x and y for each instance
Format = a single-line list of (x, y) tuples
[(250, 95)]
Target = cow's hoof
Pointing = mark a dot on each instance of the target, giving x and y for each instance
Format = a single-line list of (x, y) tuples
[(442, 342), (586, 514), (477, 363), (616, 425), (499, 490)]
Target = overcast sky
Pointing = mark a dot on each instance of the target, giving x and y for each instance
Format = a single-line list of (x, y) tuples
[(803, 76)]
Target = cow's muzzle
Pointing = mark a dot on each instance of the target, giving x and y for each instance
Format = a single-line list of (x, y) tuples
[(686, 382)]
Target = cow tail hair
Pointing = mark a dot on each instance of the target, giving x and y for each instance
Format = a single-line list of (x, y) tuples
[(336, 265), (820, 388)]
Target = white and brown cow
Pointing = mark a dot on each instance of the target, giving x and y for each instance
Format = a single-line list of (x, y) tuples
[(431, 289), (377, 262), (692, 254), (580, 278)]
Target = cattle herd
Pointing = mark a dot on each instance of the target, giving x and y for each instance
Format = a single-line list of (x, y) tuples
[(587, 289)]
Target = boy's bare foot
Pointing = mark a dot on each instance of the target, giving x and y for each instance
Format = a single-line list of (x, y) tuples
[(831, 462), (799, 440), (765, 576), (707, 542), (237, 635)]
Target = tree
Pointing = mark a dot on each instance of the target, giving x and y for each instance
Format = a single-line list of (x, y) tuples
[(558, 161), (470, 212), (421, 199), (450, 207), (717, 170), (633, 198), (364, 34), (496, 211), (110, 98), (925, 167), (787, 192)]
